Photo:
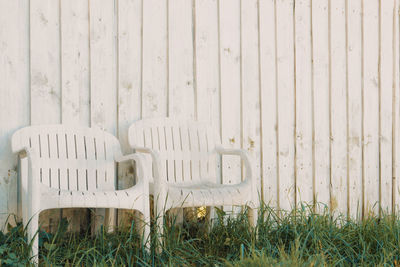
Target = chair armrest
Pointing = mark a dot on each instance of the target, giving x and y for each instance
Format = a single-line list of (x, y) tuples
[(29, 156), (139, 159), (155, 156), (243, 155)]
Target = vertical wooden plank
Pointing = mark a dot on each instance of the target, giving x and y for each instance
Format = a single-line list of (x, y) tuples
[(268, 101), (45, 62), (75, 88), (386, 91), (102, 65), (14, 89), (396, 108), (286, 98), (129, 82), (230, 60), (154, 96), (371, 105), (45, 74), (354, 54), (207, 79), (250, 87), (320, 43), (338, 106), (181, 95), (207, 68), (75, 62), (303, 161), (103, 86)]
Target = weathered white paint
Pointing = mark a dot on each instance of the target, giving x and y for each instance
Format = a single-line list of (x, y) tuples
[(207, 65), (286, 103), (321, 142), (386, 108), (371, 112), (338, 105), (250, 88), (303, 74), (230, 85), (354, 57), (310, 88), (268, 97), (396, 109)]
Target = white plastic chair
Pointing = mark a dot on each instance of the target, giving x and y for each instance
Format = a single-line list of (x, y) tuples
[(184, 156), (74, 167)]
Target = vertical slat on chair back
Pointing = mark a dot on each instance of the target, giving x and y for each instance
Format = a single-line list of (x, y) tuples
[(71, 158), (185, 147)]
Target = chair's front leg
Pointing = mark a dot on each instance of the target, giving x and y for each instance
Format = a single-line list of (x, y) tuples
[(33, 234), (23, 190), (161, 207), (110, 219), (30, 215), (32, 198)]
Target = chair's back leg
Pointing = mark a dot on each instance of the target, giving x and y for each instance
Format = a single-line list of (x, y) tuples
[(159, 211), (146, 227), (23, 189), (253, 216), (211, 216)]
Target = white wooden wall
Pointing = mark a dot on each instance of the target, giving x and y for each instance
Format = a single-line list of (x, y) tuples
[(309, 87)]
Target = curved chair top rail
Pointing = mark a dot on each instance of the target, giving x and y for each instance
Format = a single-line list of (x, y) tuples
[(184, 147), (69, 157), (156, 132)]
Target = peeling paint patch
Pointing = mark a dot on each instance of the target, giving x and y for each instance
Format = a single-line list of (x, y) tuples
[(43, 19), (40, 79)]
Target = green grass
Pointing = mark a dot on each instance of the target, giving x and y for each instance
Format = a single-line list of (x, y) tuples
[(298, 238)]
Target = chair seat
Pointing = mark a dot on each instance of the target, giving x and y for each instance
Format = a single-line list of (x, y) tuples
[(130, 198), (207, 194)]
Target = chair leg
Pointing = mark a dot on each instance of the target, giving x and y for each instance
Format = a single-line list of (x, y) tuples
[(253, 216), (146, 231), (33, 235), (211, 216), (146, 223), (159, 216)]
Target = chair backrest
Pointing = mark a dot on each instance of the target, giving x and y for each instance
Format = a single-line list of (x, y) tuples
[(185, 147), (70, 158)]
